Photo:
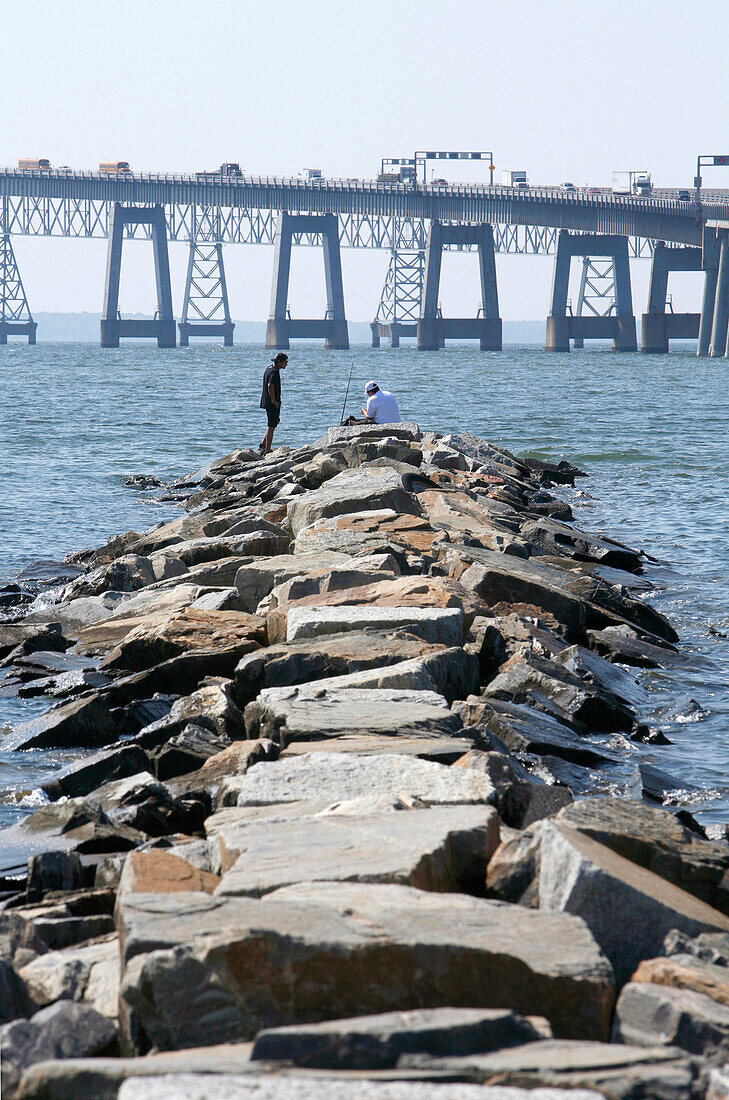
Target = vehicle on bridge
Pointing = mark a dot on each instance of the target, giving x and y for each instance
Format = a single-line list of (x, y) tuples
[(684, 195), (567, 186), (113, 167), (514, 179), (35, 164)]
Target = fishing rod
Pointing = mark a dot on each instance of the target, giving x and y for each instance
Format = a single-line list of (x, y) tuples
[(349, 381)]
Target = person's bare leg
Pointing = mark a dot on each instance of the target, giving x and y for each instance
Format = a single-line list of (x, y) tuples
[(268, 440)]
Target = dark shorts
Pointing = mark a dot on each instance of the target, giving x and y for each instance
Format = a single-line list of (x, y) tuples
[(274, 415)]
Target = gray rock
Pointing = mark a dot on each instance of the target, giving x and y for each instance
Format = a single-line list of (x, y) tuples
[(220, 599), (444, 849), (187, 751), (88, 974), (405, 430), (655, 839), (604, 676), (331, 777), (563, 539), (338, 950), (19, 941), (352, 491), (60, 932), (628, 909), (441, 750), (309, 713), (623, 645), (376, 1042), (412, 1085), (327, 580), (433, 624), (329, 655), (612, 1070), (657, 1015), (212, 706), (82, 778), (255, 580), (513, 871), (63, 1030)]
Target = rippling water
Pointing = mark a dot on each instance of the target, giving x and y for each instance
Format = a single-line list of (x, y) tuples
[(75, 421)]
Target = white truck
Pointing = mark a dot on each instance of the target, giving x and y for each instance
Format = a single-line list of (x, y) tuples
[(514, 179)]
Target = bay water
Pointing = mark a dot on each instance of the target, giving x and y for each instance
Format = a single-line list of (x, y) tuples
[(651, 431)]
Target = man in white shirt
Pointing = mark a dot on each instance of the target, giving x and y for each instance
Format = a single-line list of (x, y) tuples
[(381, 405)]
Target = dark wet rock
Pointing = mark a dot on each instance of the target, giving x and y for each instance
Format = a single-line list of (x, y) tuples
[(19, 639), (211, 706), (658, 784), (377, 1042), (622, 644), (710, 947), (60, 932), (546, 685), (430, 948), (65, 685), (628, 909), (521, 729), (63, 1030), (553, 473), (19, 941), (562, 539), (14, 1000), (48, 871), (653, 838), (521, 799), (103, 767), (602, 675), (84, 723), (187, 751), (144, 804)]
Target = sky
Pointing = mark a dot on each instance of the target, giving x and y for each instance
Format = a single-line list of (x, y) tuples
[(565, 89)]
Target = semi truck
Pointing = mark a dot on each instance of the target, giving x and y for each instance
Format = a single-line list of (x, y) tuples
[(514, 178)]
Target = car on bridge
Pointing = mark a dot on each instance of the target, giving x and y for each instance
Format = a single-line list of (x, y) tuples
[(684, 195), (567, 186)]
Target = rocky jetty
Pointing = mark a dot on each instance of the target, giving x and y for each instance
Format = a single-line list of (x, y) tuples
[(352, 816)]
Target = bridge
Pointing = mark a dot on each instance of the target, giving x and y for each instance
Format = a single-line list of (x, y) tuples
[(414, 222)]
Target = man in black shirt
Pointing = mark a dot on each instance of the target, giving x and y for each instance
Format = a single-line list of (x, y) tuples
[(271, 398)]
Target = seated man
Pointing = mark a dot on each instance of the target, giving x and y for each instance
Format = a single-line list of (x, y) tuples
[(381, 405)]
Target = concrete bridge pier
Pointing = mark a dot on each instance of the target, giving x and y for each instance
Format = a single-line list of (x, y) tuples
[(659, 327), (710, 266), (620, 325), (281, 328), (720, 321), (113, 326), (433, 329)]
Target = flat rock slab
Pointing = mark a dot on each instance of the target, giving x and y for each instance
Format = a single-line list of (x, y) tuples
[(313, 713), (375, 532), (136, 611), (85, 722), (328, 655), (317, 1088), (191, 629), (443, 750), (376, 1042), (628, 909), (432, 624), (658, 1015), (333, 777), (201, 968), (445, 848), (613, 1070), (406, 430)]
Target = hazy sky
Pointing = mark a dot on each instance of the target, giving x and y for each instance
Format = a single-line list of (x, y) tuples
[(566, 89)]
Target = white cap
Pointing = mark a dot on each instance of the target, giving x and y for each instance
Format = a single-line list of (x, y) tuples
[(371, 386)]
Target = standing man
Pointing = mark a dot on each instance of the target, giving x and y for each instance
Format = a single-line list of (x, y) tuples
[(271, 398), (381, 405)]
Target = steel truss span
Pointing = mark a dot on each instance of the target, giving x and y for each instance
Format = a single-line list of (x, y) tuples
[(77, 199), (32, 216)]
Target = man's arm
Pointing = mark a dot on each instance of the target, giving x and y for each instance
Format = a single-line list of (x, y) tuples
[(366, 412), (272, 395)]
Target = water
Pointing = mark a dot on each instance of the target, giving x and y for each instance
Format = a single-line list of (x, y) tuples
[(651, 431)]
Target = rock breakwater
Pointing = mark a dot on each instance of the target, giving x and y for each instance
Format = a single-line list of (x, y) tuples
[(366, 807)]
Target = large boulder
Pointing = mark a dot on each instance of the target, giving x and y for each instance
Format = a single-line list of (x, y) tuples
[(445, 848), (87, 974), (332, 777), (255, 580), (142, 609), (406, 536), (352, 491), (311, 712), (191, 629), (86, 722), (328, 655), (214, 969), (656, 1015), (628, 909)]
